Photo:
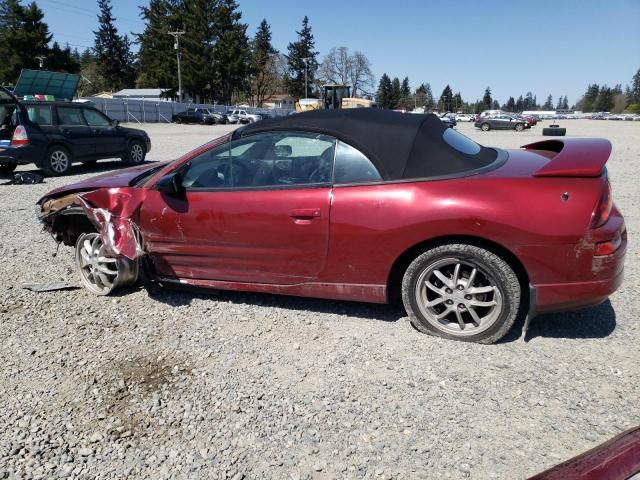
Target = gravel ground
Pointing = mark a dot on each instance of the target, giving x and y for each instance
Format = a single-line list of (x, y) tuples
[(170, 384)]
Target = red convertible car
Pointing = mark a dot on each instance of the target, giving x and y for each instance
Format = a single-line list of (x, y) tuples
[(366, 205)]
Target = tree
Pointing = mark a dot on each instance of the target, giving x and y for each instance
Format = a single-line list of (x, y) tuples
[(548, 105), (424, 97), (112, 51), (383, 96), (529, 102), (457, 102), (406, 98), (61, 59), (23, 37), (197, 20), (395, 93), (510, 105), (634, 94), (230, 51), (263, 80), (156, 66), (495, 105), (299, 52), (605, 100), (444, 104), (486, 99), (520, 104), (340, 66)]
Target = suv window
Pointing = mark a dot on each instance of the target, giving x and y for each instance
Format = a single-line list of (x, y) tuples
[(352, 166), (264, 160), (95, 119), (40, 114), (70, 116)]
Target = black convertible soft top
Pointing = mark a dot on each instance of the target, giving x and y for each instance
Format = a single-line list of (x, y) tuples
[(402, 146)]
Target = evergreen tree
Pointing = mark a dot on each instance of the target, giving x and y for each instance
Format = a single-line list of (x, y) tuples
[(444, 104), (635, 88), (406, 100), (23, 37), (156, 66), (383, 96), (112, 51), (565, 103), (263, 73), (529, 102), (486, 99), (395, 93), (520, 104), (456, 102), (197, 20), (548, 105), (511, 105), (61, 59), (230, 52), (495, 105), (604, 102), (302, 48)]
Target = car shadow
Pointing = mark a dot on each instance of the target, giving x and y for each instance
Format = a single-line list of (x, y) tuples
[(589, 323), (182, 296)]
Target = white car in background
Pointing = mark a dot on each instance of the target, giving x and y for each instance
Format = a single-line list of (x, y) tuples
[(242, 116), (463, 117)]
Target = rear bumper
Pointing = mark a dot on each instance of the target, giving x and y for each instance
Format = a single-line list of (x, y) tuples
[(608, 275)]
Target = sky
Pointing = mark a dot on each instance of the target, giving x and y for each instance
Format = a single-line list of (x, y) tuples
[(547, 47)]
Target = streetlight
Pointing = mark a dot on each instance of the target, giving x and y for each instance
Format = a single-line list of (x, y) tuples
[(176, 46), (306, 66)]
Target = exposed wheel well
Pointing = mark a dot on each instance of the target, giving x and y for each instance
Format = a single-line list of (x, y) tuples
[(394, 282), (68, 225)]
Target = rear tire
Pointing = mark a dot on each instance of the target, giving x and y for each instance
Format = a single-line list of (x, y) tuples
[(461, 292), (58, 162), (485, 127), (7, 167), (135, 153)]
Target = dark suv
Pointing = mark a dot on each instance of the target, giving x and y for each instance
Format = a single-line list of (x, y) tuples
[(53, 135)]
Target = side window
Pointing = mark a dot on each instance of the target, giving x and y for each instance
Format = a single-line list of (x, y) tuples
[(70, 116), (353, 167), (95, 118), (40, 114), (264, 160)]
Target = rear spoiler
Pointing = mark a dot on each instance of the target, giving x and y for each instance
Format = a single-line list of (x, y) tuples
[(575, 157)]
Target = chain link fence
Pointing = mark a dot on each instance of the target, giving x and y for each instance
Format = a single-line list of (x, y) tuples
[(154, 111)]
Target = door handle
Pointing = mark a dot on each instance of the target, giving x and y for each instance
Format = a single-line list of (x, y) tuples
[(66, 132), (305, 214)]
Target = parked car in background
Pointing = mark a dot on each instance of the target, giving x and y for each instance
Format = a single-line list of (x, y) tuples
[(293, 206), (242, 116), (530, 119), (449, 119), (464, 117), (54, 134), (203, 116), (501, 121)]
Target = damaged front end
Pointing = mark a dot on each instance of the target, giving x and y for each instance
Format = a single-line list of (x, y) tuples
[(102, 225)]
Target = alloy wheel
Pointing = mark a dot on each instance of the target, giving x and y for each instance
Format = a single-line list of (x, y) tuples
[(136, 153), (458, 297), (59, 161)]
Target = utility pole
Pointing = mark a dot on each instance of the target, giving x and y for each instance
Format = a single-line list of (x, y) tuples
[(40, 59), (306, 67), (176, 46)]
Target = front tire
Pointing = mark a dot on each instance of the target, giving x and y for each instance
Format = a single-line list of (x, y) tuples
[(461, 292), (58, 162), (519, 127), (135, 153), (100, 273), (485, 127)]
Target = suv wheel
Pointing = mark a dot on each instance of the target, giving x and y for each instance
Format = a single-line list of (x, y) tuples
[(485, 127), (461, 292), (58, 161), (135, 153), (7, 167)]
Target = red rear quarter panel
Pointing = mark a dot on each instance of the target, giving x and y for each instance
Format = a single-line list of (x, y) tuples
[(372, 225)]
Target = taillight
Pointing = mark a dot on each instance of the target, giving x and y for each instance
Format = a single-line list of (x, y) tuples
[(608, 247), (603, 209), (20, 137)]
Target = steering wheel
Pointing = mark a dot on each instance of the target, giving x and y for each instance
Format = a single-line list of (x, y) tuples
[(321, 174), (239, 171)]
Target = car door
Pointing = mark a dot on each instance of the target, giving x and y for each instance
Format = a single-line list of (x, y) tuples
[(253, 210), (74, 131), (108, 140)]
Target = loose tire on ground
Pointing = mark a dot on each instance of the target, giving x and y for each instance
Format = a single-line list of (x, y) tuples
[(58, 161), (442, 287), (135, 154), (554, 132), (7, 167)]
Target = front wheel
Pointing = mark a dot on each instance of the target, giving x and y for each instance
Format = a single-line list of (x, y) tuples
[(100, 273), (519, 127), (135, 153), (461, 292), (485, 127), (7, 167)]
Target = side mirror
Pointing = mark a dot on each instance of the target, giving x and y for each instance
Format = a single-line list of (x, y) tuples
[(170, 184), (115, 123)]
